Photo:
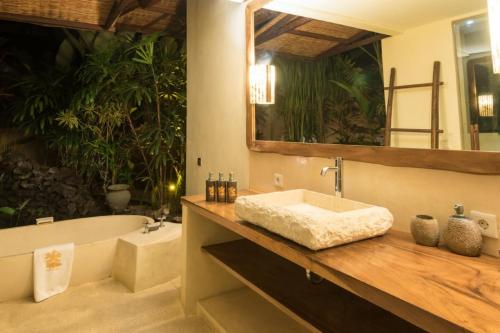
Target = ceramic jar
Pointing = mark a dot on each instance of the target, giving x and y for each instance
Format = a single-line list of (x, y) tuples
[(463, 236), (425, 230), (118, 197)]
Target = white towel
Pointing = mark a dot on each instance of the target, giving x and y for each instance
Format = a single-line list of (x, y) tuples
[(52, 270)]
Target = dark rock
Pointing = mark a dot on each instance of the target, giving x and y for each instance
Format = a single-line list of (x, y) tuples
[(20, 170), (68, 191), (72, 209), (74, 180), (53, 191), (27, 185), (24, 175), (24, 164)]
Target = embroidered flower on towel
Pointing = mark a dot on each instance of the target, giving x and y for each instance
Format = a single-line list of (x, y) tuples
[(52, 260)]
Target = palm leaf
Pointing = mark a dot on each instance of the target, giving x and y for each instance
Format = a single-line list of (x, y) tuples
[(7, 211), (355, 93)]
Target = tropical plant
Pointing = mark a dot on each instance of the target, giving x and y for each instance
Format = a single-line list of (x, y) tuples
[(332, 100), (301, 93), (139, 87), (356, 113), (163, 138), (40, 96), (14, 214), (114, 108), (43, 90)]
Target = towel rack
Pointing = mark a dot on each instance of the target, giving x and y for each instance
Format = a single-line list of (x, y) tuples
[(434, 130)]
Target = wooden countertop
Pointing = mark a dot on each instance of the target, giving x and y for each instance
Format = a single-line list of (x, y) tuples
[(432, 288)]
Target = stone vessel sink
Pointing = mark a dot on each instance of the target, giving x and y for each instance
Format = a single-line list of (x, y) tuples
[(312, 219)]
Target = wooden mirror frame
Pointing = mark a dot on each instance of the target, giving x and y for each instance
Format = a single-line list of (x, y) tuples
[(475, 162)]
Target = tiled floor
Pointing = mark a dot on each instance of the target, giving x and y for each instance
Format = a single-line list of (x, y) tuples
[(105, 306)]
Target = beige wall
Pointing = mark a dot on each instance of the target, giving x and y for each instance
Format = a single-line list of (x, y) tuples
[(405, 191), (216, 92), (413, 53)]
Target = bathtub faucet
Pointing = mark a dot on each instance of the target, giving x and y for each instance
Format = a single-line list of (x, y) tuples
[(162, 219), (150, 227), (338, 168)]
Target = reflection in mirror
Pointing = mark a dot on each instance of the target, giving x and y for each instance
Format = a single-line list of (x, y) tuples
[(480, 86), (329, 81)]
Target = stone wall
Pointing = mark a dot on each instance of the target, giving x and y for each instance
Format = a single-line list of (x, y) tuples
[(47, 191)]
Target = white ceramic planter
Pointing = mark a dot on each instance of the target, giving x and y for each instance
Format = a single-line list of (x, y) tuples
[(118, 197)]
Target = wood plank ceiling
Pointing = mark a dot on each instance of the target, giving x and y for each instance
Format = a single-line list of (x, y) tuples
[(144, 16), (306, 38)]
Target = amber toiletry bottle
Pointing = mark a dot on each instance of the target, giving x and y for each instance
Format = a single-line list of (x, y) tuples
[(221, 188), (210, 189), (232, 189)]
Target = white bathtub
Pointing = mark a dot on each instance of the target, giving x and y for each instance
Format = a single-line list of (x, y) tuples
[(95, 239)]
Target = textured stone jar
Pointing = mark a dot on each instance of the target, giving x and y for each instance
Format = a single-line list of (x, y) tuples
[(463, 236), (425, 230)]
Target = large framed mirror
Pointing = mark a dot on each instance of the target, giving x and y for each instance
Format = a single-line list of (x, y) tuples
[(480, 85), (328, 96)]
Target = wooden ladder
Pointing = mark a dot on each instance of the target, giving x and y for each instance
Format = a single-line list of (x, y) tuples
[(434, 130)]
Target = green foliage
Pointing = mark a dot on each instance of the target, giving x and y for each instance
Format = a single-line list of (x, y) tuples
[(14, 214), (300, 95), (7, 211), (40, 95), (331, 100), (114, 107)]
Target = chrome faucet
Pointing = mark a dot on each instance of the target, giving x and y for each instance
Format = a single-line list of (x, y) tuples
[(160, 223), (150, 227), (339, 181)]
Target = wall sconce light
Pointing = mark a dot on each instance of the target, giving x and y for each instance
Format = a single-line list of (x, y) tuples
[(262, 84), (485, 103), (494, 20)]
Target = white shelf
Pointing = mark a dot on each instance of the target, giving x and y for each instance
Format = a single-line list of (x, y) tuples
[(244, 311)]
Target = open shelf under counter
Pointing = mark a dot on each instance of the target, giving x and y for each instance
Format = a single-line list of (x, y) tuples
[(321, 307), (244, 311), (431, 288)]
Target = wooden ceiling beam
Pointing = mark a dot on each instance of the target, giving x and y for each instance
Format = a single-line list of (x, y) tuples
[(122, 7), (290, 56), (119, 8), (156, 20), (156, 6), (286, 24), (177, 24), (147, 30), (357, 36), (49, 22), (269, 24), (318, 36), (360, 39), (159, 9), (174, 20), (148, 3)]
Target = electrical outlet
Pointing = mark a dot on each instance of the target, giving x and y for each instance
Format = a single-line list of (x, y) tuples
[(278, 180), (487, 223)]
